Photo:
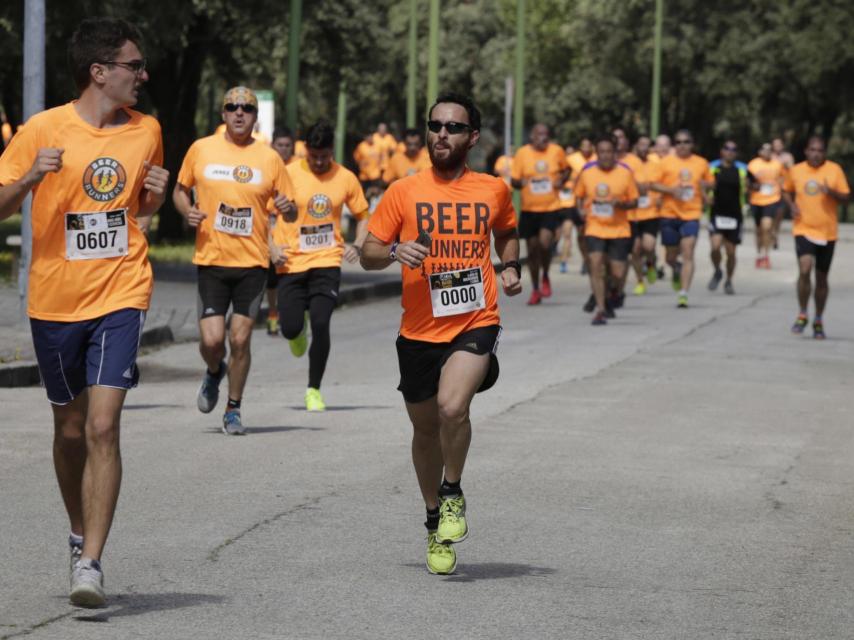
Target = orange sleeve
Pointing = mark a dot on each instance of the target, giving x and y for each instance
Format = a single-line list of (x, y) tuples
[(517, 167), (707, 175), (506, 218), (19, 155), (282, 182), (356, 198), (838, 181), (185, 175), (562, 164), (387, 221), (580, 191), (157, 157), (788, 185)]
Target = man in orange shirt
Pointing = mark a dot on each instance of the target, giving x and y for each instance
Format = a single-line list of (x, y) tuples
[(814, 189), (765, 200), (411, 161), (370, 158), (685, 178), (312, 248), (438, 225), (503, 166), (606, 192), (283, 144), (385, 141), (539, 170), (92, 166), (238, 181), (644, 219), (571, 216)]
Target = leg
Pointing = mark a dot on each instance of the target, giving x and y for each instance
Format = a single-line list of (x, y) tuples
[(566, 235), (766, 234), (102, 475), (212, 341), (534, 261), (69, 456), (716, 241), (805, 264), (671, 255), (240, 356), (460, 379), (596, 262), (637, 258), (292, 303), (822, 290), (687, 245), (546, 238), (426, 449), (320, 314), (730, 259), (619, 271), (582, 246)]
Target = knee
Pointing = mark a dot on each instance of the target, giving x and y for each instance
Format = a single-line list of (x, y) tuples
[(102, 432), (211, 343), (453, 412), (320, 325), (69, 435), (291, 328), (239, 344)]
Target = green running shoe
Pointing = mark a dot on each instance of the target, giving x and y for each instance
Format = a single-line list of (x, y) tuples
[(441, 558), (299, 345), (452, 520), (651, 274), (682, 302), (313, 400)]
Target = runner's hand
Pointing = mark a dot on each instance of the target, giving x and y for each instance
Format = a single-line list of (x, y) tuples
[(511, 282), (412, 254), (48, 160), (195, 217), (287, 208), (796, 211), (277, 254), (351, 253), (156, 179)]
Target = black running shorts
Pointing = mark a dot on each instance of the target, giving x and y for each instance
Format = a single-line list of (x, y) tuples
[(241, 288)]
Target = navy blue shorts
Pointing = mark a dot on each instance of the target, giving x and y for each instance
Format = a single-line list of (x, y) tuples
[(98, 352), (674, 229)]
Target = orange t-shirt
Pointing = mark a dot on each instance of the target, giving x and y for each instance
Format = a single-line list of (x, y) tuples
[(819, 213), (540, 169), (686, 173), (89, 256), (401, 165), (300, 150), (370, 158), (770, 176), (314, 240), (646, 172), (459, 216), (387, 143), (576, 162), (234, 186), (599, 190), (503, 167)]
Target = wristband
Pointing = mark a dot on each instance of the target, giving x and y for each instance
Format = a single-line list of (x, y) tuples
[(514, 264), (393, 251)]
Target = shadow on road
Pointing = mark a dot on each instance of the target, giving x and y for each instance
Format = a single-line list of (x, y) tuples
[(139, 407), (494, 571), (347, 407), (140, 603), (260, 430)]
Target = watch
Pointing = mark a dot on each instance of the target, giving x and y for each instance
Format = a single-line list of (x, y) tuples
[(393, 251), (514, 264)]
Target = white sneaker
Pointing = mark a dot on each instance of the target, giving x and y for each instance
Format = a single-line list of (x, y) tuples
[(87, 584), (76, 552)]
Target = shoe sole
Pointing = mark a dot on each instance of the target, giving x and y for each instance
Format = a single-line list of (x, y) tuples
[(87, 597), (199, 398), (442, 573)]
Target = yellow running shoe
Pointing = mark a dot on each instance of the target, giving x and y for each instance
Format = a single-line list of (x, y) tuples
[(313, 400), (299, 345), (452, 520), (640, 289), (651, 274), (441, 558)]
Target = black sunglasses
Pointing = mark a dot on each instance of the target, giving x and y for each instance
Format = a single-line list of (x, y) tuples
[(136, 66), (453, 128), (247, 108)]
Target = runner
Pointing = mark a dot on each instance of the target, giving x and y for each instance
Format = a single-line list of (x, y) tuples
[(437, 224), (370, 158), (617, 287), (726, 221), (312, 248), (283, 144), (662, 147), (385, 141), (93, 167), (765, 201), (684, 179), (606, 192), (504, 166), (576, 161), (412, 160), (539, 170), (814, 190), (644, 219), (234, 177), (785, 158)]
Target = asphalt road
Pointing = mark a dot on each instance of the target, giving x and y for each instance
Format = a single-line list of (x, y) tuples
[(675, 474)]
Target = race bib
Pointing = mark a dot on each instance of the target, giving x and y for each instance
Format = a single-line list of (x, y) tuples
[(566, 194), (316, 237), (236, 221), (102, 234), (767, 189), (541, 186), (686, 194), (723, 223), (456, 292), (644, 202), (602, 209)]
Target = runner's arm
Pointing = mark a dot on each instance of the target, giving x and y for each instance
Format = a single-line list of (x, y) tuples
[(153, 194), (181, 200), (354, 251), (48, 160), (507, 249), (376, 254), (663, 188), (793, 207)]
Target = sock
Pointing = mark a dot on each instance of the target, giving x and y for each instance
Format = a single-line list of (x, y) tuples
[(215, 374), (74, 540), (233, 404), (817, 319), (92, 563), (432, 522), (273, 314), (803, 312), (682, 292), (450, 489)]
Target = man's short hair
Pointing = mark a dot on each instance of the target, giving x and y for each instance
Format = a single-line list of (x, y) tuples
[(320, 135), (605, 137), (282, 132), (98, 40), (816, 138), (465, 102), (409, 133)]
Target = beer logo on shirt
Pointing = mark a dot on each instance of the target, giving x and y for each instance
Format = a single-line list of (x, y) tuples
[(242, 173), (541, 166), (602, 190), (319, 206), (811, 188), (104, 179), (685, 175)]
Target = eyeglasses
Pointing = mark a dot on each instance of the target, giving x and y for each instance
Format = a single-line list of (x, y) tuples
[(247, 108), (453, 128), (135, 66), (684, 141)]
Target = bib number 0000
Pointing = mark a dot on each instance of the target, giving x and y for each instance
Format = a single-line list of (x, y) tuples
[(456, 292)]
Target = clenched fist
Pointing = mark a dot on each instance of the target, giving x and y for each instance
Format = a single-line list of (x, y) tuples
[(48, 160), (156, 179)]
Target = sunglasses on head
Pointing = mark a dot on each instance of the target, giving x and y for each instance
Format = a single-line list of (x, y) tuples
[(247, 108), (453, 128)]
